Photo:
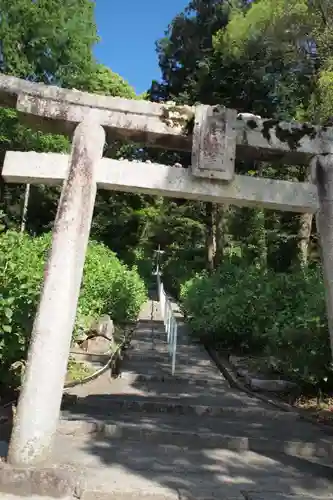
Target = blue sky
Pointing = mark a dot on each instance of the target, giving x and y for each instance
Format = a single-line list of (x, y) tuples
[(128, 31)]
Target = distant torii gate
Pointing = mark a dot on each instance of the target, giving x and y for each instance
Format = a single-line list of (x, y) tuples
[(215, 135)]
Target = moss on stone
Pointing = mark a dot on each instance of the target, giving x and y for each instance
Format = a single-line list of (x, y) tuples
[(178, 116)]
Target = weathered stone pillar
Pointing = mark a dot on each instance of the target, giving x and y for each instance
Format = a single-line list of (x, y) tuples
[(322, 172), (39, 403)]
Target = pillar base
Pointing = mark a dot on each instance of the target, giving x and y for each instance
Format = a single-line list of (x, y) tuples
[(53, 481)]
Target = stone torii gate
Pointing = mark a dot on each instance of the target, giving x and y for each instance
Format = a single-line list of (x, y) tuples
[(215, 135)]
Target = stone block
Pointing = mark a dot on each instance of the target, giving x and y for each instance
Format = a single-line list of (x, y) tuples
[(257, 384), (96, 345), (104, 326), (99, 336), (55, 482), (242, 372)]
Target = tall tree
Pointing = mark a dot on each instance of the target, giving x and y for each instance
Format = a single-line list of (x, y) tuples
[(49, 41), (102, 80), (43, 41), (192, 71), (297, 37)]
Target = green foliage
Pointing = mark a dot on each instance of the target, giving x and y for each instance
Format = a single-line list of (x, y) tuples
[(21, 263), (298, 334), (77, 371), (47, 40), (104, 81), (325, 89), (144, 263), (292, 41), (179, 265), (44, 41), (109, 287), (279, 314), (273, 18)]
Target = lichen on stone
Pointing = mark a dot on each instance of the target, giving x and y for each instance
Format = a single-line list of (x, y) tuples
[(178, 116), (290, 133)]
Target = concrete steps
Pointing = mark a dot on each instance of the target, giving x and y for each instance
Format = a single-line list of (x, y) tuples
[(189, 436), (151, 436), (157, 355), (229, 434), (204, 406), (246, 495), (189, 370), (144, 467)]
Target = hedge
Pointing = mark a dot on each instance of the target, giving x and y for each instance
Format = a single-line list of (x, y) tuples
[(109, 287), (243, 309)]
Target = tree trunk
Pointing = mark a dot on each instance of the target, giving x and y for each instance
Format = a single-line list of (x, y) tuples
[(210, 235), (260, 229), (25, 208), (221, 222), (304, 232), (261, 239)]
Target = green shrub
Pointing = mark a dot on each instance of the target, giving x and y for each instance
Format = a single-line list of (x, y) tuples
[(280, 314), (227, 307), (21, 264), (109, 287), (142, 259), (178, 265), (298, 336)]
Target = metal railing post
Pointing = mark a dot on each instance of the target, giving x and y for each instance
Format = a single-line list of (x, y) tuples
[(169, 321), (174, 347)]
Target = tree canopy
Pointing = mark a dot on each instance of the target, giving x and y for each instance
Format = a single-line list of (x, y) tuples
[(47, 40)]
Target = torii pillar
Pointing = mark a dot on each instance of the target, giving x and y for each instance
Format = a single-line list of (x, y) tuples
[(40, 399)]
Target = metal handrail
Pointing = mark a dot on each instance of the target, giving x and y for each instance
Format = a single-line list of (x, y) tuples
[(169, 320)]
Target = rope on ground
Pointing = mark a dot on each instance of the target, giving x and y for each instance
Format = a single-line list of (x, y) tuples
[(113, 356), (100, 371)]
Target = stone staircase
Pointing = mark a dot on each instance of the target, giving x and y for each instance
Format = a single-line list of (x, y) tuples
[(148, 434)]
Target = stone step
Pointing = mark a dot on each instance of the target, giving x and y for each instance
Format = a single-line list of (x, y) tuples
[(134, 468), (157, 357), (172, 389), (141, 495), (163, 369), (152, 356), (156, 328), (5, 496), (263, 495), (137, 467), (215, 395), (160, 347), (301, 440), (203, 406), (160, 382), (146, 328), (176, 463), (146, 322), (99, 360), (165, 377), (148, 338), (246, 495), (160, 342)]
